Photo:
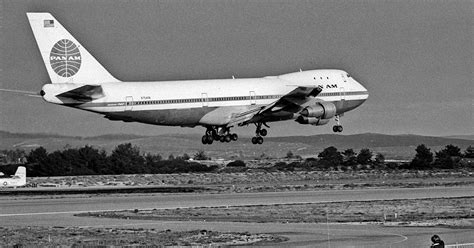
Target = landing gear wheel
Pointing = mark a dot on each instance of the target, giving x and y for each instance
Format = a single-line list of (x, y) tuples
[(227, 138), (222, 138), (234, 137), (254, 140), (259, 140), (204, 140), (263, 132), (337, 128), (209, 140)]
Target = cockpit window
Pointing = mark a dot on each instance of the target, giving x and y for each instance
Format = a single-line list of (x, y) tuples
[(348, 75)]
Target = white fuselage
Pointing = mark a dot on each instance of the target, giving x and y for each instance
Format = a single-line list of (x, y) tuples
[(231, 95), (18, 180)]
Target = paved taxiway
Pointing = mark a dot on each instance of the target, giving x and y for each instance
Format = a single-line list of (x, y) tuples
[(59, 210)]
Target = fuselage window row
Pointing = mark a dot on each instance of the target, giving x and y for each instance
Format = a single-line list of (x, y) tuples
[(236, 98)]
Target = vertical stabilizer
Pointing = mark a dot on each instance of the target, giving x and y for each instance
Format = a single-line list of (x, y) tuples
[(66, 60), (21, 174)]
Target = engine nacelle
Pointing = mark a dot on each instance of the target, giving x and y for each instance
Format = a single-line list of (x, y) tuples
[(312, 121), (323, 110)]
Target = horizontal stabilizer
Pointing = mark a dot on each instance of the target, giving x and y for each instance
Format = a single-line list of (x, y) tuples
[(84, 93)]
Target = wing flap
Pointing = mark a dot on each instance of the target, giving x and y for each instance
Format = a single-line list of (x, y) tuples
[(295, 98), (291, 102)]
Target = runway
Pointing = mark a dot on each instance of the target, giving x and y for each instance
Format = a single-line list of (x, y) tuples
[(59, 210)]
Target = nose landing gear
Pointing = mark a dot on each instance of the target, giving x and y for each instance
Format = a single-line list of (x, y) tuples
[(338, 127)]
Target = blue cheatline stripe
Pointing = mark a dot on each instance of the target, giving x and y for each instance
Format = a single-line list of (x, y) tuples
[(212, 99)]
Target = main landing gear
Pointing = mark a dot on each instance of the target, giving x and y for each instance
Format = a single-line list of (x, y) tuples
[(338, 127), (259, 133), (218, 134)]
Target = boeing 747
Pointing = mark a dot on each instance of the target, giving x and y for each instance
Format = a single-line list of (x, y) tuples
[(78, 80)]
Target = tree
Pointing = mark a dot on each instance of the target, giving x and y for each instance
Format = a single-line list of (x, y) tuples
[(37, 155), (364, 157), (379, 158), (95, 160), (443, 160), (448, 158), (126, 159), (330, 157), (469, 153), (423, 158), (200, 155), (453, 151), (13, 156), (185, 156), (349, 157)]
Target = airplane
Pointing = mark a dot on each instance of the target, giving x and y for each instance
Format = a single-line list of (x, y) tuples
[(17, 180), (78, 80)]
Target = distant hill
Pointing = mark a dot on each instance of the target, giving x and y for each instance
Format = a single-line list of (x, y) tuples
[(372, 140), (392, 146), (466, 137)]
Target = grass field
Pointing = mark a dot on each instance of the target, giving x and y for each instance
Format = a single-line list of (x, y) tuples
[(437, 211)]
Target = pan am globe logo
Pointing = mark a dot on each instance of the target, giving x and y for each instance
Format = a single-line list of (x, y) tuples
[(65, 58)]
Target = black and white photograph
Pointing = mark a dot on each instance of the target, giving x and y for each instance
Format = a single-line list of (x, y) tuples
[(222, 123)]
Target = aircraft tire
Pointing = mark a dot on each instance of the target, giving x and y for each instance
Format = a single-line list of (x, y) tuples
[(339, 128), (234, 137), (259, 140), (254, 140), (227, 138), (204, 140), (263, 132)]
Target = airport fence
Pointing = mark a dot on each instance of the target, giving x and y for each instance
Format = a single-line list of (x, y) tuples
[(467, 245)]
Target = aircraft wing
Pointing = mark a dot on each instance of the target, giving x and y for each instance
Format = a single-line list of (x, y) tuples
[(84, 93), (292, 101)]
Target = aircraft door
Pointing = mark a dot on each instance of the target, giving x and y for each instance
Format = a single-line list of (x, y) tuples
[(205, 100), (252, 98), (342, 94), (128, 103)]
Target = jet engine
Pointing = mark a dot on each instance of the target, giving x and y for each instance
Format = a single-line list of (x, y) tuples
[(312, 121), (322, 110)]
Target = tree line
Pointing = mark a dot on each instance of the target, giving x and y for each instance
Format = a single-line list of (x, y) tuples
[(124, 159), (127, 159), (331, 159)]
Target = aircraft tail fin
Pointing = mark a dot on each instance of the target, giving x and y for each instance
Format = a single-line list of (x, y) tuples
[(66, 60), (21, 174)]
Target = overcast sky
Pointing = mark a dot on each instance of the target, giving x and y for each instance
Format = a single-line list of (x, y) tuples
[(414, 57)]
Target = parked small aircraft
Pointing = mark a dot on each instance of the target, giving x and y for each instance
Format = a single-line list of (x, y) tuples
[(78, 80), (17, 180)]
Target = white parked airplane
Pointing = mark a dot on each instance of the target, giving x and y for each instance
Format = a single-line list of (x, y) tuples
[(17, 180), (79, 81)]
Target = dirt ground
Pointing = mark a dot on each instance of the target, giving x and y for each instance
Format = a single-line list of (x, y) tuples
[(446, 212), (263, 181), (119, 237), (437, 211)]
